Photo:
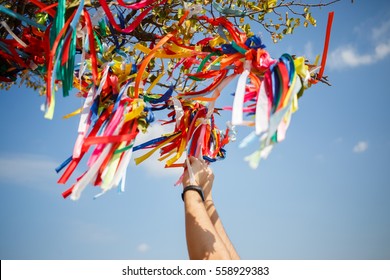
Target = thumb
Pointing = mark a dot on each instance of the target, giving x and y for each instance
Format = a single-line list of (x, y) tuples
[(190, 172)]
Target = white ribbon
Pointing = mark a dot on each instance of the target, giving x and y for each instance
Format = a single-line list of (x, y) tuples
[(13, 35), (238, 103), (178, 110), (93, 170), (262, 116)]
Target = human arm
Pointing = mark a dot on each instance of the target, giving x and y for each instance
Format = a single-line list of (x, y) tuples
[(204, 230), (216, 221), (203, 242), (214, 216)]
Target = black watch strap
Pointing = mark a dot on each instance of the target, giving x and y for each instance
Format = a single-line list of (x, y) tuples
[(193, 188)]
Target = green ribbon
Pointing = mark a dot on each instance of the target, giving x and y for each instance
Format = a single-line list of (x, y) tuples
[(4, 10)]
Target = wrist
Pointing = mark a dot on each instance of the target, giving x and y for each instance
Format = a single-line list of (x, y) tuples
[(193, 191), (192, 199)]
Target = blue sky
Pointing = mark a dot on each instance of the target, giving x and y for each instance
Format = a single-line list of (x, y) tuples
[(322, 193)]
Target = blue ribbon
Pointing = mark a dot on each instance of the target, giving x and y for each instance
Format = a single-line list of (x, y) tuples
[(112, 30), (228, 49), (254, 42), (150, 115), (150, 142), (121, 18), (289, 61), (164, 97), (65, 163)]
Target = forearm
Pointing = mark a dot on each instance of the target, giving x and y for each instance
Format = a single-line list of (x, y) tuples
[(217, 223), (203, 241)]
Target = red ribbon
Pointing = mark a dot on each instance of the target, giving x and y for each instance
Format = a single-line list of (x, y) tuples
[(92, 48), (136, 6), (44, 7), (133, 25), (326, 47)]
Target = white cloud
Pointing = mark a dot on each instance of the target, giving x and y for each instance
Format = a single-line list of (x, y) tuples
[(156, 168), (360, 147), (92, 233), (381, 31), (28, 170), (143, 248), (153, 131), (382, 50), (349, 56)]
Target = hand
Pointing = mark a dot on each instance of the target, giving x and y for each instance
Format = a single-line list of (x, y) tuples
[(203, 176)]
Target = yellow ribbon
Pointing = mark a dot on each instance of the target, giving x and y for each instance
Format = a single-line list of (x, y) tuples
[(111, 168), (74, 113), (151, 152), (152, 85), (50, 111), (167, 155), (162, 54), (138, 106), (179, 152), (300, 67)]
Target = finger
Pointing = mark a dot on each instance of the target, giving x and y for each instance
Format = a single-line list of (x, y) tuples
[(193, 159), (190, 172), (196, 163)]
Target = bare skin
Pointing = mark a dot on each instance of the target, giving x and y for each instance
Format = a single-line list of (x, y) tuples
[(205, 234)]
